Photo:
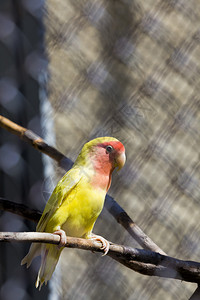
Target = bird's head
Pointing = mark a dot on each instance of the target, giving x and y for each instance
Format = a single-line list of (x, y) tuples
[(105, 154)]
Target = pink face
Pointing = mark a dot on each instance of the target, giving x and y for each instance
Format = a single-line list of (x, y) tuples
[(105, 158), (110, 155)]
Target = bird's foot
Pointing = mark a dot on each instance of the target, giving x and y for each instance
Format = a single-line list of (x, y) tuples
[(105, 244), (63, 237)]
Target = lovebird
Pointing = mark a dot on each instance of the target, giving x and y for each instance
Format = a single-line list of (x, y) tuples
[(76, 202)]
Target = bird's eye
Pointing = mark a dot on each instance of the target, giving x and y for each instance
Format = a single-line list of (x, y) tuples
[(109, 149)]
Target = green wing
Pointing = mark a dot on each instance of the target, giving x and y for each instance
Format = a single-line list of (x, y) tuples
[(63, 188)]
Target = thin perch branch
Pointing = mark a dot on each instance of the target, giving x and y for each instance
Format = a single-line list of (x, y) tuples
[(36, 141), (111, 205), (143, 261)]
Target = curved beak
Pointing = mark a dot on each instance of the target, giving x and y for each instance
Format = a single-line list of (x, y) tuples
[(120, 160)]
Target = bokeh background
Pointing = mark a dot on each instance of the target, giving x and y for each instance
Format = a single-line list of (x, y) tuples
[(75, 70)]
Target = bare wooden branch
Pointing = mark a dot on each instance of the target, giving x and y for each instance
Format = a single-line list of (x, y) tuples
[(134, 230), (36, 141), (20, 209), (111, 205), (143, 261)]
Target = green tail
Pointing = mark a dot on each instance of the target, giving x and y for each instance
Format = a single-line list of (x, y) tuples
[(50, 255), (49, 259)]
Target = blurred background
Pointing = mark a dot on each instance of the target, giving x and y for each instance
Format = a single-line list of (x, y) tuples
[(74, 70)]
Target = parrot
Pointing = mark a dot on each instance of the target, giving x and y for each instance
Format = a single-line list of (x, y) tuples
[(76, 202)]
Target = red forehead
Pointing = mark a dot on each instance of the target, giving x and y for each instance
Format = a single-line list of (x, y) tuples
[(115, 144)]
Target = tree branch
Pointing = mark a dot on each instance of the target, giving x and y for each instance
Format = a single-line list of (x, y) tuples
[(36, 141), (111, 205), (133, 229), (143, 261), (20, 209)]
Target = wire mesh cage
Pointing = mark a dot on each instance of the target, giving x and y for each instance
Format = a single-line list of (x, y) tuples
[(128, 69)]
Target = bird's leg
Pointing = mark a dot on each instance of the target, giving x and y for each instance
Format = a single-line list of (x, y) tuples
[(105, 243), (63, 237)]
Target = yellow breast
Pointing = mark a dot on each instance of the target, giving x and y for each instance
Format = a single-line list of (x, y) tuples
[(82, 209)]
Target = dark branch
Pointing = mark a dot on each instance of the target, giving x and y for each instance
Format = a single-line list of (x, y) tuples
[(133, 229), (20, 209)]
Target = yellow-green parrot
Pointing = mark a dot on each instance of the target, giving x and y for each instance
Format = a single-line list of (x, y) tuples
[(77, 201)]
